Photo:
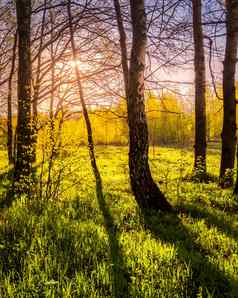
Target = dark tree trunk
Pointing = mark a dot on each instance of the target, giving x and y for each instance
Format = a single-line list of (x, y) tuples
[(229, 96), (10, 135), (123, 46), (23, 166), (97, 176), (145, 190), (200, 89)]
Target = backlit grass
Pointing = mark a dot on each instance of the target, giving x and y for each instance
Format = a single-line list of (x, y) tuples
[(75, 246)]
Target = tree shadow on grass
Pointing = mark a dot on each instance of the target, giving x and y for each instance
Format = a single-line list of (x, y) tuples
[(61, 252), (211, 219), (206, 276), (119, 270), (120, 276)]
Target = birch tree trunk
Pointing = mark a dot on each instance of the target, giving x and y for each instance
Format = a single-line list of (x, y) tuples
[(146, 192)]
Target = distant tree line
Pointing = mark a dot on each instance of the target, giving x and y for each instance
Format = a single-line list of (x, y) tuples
[(170, 122)]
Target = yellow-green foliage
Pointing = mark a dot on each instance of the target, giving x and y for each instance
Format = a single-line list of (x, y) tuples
[(214, 116), (107, 129), (168, 122)]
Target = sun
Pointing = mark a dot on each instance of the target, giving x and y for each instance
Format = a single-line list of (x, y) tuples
[(73, 63)]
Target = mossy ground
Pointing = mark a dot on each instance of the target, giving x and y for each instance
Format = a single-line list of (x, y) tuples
[(75, 246)]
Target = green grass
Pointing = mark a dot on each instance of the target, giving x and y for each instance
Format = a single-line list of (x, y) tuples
[(76, 246)]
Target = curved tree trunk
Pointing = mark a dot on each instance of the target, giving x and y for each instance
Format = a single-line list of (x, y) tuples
[(200, 89), (229, 96), (145, 190)]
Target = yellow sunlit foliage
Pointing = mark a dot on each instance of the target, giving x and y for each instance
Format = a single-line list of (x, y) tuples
[(167, 121), (170, 121)]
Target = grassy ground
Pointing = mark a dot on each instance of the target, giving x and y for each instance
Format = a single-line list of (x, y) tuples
[(76, 246)]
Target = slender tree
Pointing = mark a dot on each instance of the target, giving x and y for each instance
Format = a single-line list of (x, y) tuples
[(53, 140), (37, 82), (145, 190), (92, 156), (10, 135), (23, 166), (123, 45), (229, 96), (200, 89)]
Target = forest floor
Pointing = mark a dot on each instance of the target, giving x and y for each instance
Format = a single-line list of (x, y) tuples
[(75, 246)]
